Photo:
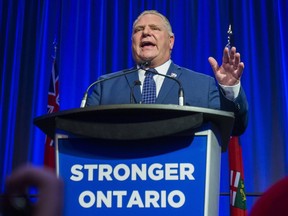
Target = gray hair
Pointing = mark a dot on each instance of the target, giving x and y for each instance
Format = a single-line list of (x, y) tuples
[(166, 21)]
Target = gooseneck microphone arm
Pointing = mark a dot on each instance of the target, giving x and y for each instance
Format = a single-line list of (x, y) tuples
[(143, 66), (181, 90), (125, 72)]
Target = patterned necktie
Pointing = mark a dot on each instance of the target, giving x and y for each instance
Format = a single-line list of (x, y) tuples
[(149, 87)]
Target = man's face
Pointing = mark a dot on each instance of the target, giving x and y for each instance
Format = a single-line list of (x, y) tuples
[(151, 40)]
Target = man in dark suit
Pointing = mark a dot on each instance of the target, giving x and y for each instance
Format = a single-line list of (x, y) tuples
[(152, 42)]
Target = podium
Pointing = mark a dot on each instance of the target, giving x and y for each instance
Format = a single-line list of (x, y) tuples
[(139, 159)]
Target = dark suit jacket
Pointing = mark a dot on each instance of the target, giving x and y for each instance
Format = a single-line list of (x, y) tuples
[(200, 90)]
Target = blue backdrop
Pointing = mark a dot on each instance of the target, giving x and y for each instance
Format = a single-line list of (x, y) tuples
[(94, 37)]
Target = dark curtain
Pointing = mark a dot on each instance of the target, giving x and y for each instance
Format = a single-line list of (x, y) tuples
[(94, 38)]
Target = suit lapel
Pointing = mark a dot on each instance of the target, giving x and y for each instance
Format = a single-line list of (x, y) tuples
[(131, 78), (169, 84)]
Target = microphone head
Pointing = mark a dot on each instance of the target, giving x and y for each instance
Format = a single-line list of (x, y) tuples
[(144, 65), (137, 82)]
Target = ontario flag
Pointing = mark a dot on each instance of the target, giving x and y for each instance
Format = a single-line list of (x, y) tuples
[(238, 205), (52, 106)]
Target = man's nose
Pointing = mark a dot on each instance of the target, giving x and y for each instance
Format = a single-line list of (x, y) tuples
[(146, 31)]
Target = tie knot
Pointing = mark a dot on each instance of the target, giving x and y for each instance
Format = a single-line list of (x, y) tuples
[(151, 72)]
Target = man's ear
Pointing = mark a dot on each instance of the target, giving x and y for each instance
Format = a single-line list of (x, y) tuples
[(172, 39)]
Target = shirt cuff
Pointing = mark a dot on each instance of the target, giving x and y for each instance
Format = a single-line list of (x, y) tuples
[(231, 92)]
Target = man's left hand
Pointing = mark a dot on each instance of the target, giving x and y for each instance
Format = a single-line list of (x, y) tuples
[(230, 72)]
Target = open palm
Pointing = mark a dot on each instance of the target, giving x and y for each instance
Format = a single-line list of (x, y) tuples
[(230, 72)]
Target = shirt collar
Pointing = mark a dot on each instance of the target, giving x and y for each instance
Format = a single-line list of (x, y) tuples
[(162, 69)]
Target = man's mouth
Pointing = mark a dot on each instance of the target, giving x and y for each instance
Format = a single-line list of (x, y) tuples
[(146, 44)]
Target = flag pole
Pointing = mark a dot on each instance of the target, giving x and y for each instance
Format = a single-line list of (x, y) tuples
[(55, 48), (238, 202)]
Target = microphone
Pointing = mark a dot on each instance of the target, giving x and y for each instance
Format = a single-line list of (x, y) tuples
[(181, 90), (124, 72), (132, 96)]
